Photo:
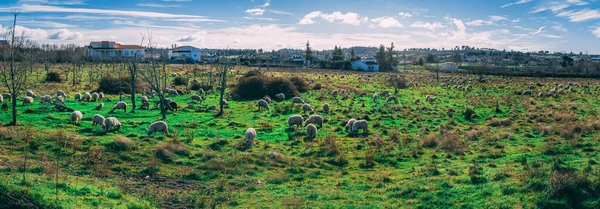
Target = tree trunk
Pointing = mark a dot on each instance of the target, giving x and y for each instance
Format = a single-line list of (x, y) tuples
[(133, 72), (14, 109)]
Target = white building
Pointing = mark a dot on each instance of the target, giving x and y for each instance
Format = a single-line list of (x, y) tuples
[(114, 49), (368, 64), (185, 53), (449, 66)]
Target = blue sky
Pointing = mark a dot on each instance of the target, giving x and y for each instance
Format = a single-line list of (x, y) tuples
[(526, 25)]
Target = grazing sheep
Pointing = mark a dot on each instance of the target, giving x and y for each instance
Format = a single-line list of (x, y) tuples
[(158, 126), (360, 124), (349, 124), (61, 93), (211, 108), (326, 108), (267, 98), (30, 93), (334, 93), (95, 97), (250, 135), (295, 120), (314, 119), (172, 92), (307, 107), (76, 116), (111, 122), (430, 99), (144, 99), (99, 107), (78, 97), (120, 106), (262, 104), (385, 93), (297, 100), (201, 91), (392, 98), (527, 92), (375, 96), (100, 96), (7, 96), (87, 96), (417, 101), (27, 100), (1, 99), (280, 97), (46, 99), (196, 97), (180, 92), (541, 94), (224, 102), (552, 92), (174, 106), (97, 119), (311, 130)]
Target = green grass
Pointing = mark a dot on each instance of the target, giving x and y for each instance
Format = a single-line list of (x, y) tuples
[(473, 165)]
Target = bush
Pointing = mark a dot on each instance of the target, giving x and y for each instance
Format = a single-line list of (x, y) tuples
[(573, 189), (180, 81), (254, 85), (300, 84), (112, 85), (121, 143), (53, 77), (197, 85)]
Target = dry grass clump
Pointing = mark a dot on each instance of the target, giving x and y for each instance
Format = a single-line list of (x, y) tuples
[(497, 122), (329, 146), (564, 117), (121, 143), (452, 143), (166, 151), (430, 140)]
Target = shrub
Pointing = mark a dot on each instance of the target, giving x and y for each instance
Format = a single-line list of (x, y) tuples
[(430, 140), (252, 73), (167, 151), (112, 85), (180, 81), (53, 77), (121, 143), (281, 85), (254, 85), (300, 84), (573, 188)]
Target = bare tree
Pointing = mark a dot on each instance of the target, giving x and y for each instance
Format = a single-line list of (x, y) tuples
[(13, 76), (154, 74), (223, 85)]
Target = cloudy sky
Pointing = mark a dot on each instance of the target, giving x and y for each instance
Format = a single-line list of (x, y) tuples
[(526, 25)]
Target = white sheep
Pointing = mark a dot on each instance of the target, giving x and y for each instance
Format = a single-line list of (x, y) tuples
[(201, 91), (100, 96), (250, 135), (144, 99), (158, 126), (7, 96), (375, 96), (349, 124), (61, 93), (95, 97), (224, 102), (111, 122), (172, 92), (76, 116), (314, 119), (77, 97), (27, 100), (267, 98), (392, 98), (295, 120), (30, 93), (431, 99), (1, 99), (306, 107), (297, 100), (211, 108), (46, 99), (280, 97), (120, 106), (334, 93), (262, 104), (311, 130), (97, 119), (87, 96), (360, 124), (196, 97), (99, 106), (326, 107), (527, 92)]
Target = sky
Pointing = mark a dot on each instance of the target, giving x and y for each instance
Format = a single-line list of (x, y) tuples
[(523, 25)]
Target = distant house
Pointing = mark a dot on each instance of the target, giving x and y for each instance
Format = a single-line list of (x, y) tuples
[(368, 64), (186, 53), (449, 66), (595, 59), (296, 58), (470, 59), (114, 49), (209, 58)]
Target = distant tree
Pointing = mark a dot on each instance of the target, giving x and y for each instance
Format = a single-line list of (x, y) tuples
[(391, 60), (430, 58), (353, 56), (308, 54), (13, 75), (566, 61), (381, 58), (338, 54), (421, 62)]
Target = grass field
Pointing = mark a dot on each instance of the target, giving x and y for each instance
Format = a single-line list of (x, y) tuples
[(536, 152)]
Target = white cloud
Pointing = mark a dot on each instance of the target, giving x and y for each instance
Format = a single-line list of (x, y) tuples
[(559, 27), (255, 11), (195, 37), (349, 18), (491, 21), (538, 31), (261, 18), (577, 2), (45, 24), (279, 12), (157, 5), (387, 22), (581, 15), (596, 32), (176, 0), (552, 6), (515, 3), (53, 2), (404, 14), (497, 18), (430, 26), (64, 34)]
